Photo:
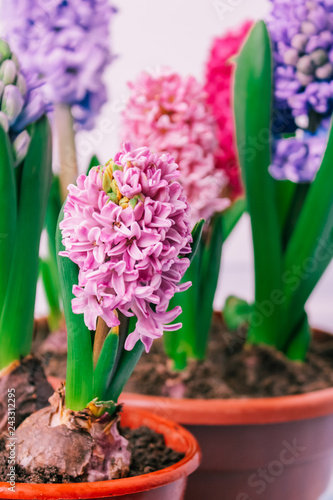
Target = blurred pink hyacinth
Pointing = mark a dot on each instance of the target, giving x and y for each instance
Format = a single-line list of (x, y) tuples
[(126, 225), (170, 113), (219, 81)]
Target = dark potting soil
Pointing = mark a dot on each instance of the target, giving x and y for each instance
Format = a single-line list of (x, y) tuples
[(31, 389), (53, 354), (149, 454), (232, 371)]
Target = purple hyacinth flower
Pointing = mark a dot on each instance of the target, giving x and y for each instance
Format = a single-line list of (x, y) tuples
[(297, 160), (302, 37), (65, 45)]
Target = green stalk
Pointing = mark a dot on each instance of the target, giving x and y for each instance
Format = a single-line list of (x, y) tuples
[(16, 325), (209, 275), (65, 136), (180, 344), (253, 96), (299, 345), (80, 371), (50, 280), (232, 215), (304, 255), (105, 365), (296, 206), (8, 211), (126, 365)]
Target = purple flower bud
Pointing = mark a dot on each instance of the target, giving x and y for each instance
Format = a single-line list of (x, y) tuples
[(21, 146), (8, 72), (319, 57), (299, 41), (5, 52), (12, 103), (325, 72), (4, 121)]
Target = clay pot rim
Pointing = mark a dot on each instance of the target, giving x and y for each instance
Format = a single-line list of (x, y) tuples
[(240, 411), (119, 487), (243, 411)]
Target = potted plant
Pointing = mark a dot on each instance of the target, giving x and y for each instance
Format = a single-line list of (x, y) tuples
[(276, 446), (58, 49), (25, 180), (124, 243)]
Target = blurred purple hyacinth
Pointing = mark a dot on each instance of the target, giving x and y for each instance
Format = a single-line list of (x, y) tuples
[(302, 36), (64, 43), (297, 159), (21, 102)]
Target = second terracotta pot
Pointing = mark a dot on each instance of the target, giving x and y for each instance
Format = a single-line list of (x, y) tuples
[(270, 449)]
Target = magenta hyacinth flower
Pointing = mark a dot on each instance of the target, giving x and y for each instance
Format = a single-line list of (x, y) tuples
[(220, 70), (126, 225), (170, 113)]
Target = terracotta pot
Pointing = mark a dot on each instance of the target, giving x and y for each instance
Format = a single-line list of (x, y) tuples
[(268, 449), (167, 484)]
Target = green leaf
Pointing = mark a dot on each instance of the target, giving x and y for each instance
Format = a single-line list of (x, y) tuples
[(299, 345), (237, 312), (312, 232), (94, 162), (8, 211), (284, 195), (126, 365), (196, 236), (295, 209), (181, 344), (50, 281), (16, 325), (80, 372), (253, 96), (209, 275), (105, 364), (52, 214), (232, 215)]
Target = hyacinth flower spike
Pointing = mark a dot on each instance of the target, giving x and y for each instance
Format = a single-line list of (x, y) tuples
[(65, 46), (64, 49), (25, 179), (171, 113), (288, 265), (124, 244)]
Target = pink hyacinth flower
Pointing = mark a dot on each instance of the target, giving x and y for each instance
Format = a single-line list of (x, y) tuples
[(127, 227), (170, 113)]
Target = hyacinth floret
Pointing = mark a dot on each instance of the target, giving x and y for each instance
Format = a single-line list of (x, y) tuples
[(126, 226), (170, 113)]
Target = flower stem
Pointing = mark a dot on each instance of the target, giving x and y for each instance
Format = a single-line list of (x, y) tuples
[(65, 139), (102, 331)]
